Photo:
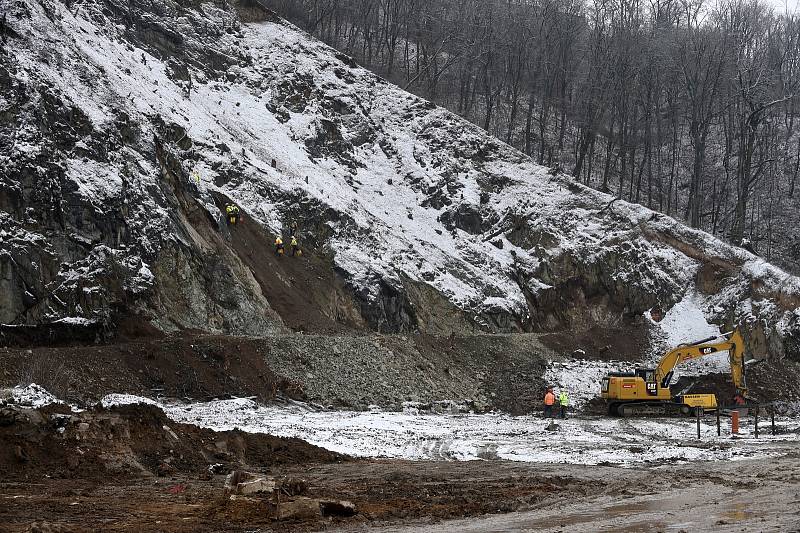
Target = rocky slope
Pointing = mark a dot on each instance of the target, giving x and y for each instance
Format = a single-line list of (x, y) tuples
[(126, 125)]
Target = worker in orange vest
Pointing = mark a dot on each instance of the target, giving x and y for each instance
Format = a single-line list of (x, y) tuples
[(549, 401)]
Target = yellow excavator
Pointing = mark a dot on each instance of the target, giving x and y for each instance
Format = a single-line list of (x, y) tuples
[(646, 390)]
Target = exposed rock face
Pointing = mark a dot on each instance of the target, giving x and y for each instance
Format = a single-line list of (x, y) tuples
[(126, 126), (97, 220)]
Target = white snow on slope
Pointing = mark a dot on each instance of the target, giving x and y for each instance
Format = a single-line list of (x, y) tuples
[(389, 230), (686, 323)]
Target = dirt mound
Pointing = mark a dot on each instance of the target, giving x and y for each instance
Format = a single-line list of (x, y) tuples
[(619, 344), (182, 366), (132, 440), (349, 371)]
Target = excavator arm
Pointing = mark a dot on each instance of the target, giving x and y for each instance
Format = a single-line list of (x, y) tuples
[(734, 345)]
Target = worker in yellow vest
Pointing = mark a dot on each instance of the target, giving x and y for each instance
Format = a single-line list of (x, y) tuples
[(563, 401), (232, 214), (295, 246)]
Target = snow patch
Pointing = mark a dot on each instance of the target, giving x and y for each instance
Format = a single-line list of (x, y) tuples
[(32, 395), (580, 377), (686, 323), (75, 321), (463, 437), (113, 400)]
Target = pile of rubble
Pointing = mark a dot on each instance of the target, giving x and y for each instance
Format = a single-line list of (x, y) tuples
[(284, 498)]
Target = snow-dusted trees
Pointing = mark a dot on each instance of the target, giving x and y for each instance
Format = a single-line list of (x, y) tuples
[(687, 106)]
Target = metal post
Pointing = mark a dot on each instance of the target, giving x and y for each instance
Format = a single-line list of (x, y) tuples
[(756, 421), (697, 411), (772, 413)]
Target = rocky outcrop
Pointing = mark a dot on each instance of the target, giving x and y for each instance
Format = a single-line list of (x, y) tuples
[(98, 224)]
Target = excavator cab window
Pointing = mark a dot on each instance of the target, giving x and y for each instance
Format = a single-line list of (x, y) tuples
[(649, 377)]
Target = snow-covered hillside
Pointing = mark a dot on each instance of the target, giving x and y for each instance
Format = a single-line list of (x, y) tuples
[(117, 115)]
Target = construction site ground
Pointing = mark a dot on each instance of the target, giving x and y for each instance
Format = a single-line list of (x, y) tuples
[(132, 467), (485, 496)]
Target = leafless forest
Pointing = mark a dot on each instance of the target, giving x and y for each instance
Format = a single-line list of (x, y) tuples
[(689, 107)]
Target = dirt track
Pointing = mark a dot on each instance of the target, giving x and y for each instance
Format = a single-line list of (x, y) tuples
[(756, 495)]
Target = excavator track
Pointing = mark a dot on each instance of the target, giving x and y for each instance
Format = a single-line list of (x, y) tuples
[(633, 409)]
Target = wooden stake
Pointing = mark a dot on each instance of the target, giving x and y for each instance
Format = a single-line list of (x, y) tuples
[(697, 411), (756, 421)]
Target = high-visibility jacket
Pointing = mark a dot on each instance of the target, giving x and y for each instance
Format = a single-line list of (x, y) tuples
[(549, 398), (563, 399), (294, 241), (278, 241)]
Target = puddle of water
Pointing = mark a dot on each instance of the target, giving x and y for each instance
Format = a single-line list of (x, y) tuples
[(603, 514), (739, 513)]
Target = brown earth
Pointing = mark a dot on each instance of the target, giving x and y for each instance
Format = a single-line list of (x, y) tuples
[(304, 290), (129, 468), (504, 371), (393, 495), (131, 440), (619, 344), (383, 491), (199, 367)]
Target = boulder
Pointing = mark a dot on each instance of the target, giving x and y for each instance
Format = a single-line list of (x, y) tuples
[(293, 486), (240, 482), (263, 485), (337, 508), (299, 508)]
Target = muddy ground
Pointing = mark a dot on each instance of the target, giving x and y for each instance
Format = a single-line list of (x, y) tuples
[(383, 492), (130, 468), (484, 496), (751, 496)]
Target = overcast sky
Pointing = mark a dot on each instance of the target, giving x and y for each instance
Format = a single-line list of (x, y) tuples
[(782, 4)]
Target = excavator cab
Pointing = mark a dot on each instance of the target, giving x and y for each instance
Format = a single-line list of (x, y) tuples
[(651, 384)]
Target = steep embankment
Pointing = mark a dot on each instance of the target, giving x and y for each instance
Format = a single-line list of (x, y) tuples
[(125, 124), (477, 371)]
